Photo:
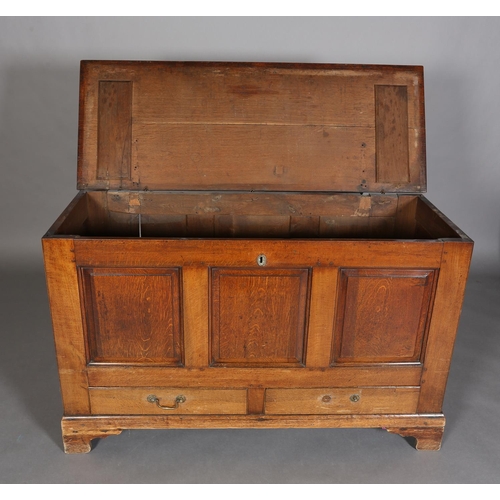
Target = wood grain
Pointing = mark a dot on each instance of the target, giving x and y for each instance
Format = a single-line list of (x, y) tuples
[(427, 438), (356, 227), (196, 170), (114, 142), (133, 401), (434, 222), (251, 377), (81, 441), (382, 315), (73, 219), (405, 224), (391, 133), (248, 203), (321, 316), (444, 323), (250, 126), (133, 315), (195, 308), (254, 156), (63, 289), (352, 400), (255, 402), (244, 252), (258, 316), (90, 424), (83, 429), (251, 226)]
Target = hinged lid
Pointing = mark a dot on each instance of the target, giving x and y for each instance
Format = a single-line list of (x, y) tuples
[(251, 126)]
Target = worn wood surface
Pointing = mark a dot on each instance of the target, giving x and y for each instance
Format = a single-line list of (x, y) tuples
[(391, 133), (133, 401), (79, 431), (265, 215), (352, 400), (195, 310), (248, 203), (427, 438), (114, 141), (255, 403), (444, 323), (250, 126), (199, 170), (244, 253), (63, 290), (321, 316), (339, 376)]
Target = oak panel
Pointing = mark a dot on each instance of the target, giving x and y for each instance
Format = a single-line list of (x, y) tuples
[(133, 315), (258, 316), (391, 127), (382, 315), (115, 130)]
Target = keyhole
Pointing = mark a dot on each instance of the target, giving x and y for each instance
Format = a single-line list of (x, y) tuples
[(261, 260)]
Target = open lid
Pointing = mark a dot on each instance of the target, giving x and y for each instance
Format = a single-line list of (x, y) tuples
[(251, 126)]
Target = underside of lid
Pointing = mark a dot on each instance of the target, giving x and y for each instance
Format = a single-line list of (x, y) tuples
[(251, 126)]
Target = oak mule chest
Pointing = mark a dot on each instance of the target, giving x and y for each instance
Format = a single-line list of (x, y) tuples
[(250, 248)]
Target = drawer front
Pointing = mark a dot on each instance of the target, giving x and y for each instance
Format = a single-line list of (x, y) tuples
[(147, 401), (368, 400)]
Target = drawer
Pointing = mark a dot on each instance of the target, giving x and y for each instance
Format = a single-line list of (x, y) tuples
[(364, 400), (147, 401)]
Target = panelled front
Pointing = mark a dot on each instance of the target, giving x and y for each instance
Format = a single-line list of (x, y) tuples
[(132, 315), (258, 317), (382, 315), (266, 334)]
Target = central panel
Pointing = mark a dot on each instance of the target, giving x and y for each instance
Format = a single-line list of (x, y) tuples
[(259, 316)]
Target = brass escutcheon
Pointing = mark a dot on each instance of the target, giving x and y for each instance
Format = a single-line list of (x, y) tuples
[(262, 260), (178, 400)]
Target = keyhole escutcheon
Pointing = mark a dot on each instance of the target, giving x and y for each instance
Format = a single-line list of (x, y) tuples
[(261, 260)]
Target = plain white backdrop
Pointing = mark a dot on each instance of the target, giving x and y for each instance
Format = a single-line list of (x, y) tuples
[(39, 77)]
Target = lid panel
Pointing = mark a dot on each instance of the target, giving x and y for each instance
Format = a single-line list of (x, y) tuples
[(230, 126)]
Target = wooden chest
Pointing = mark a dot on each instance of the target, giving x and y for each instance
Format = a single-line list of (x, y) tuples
[(250, 248)]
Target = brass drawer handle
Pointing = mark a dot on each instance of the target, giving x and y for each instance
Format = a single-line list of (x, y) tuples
[(178, 400)]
